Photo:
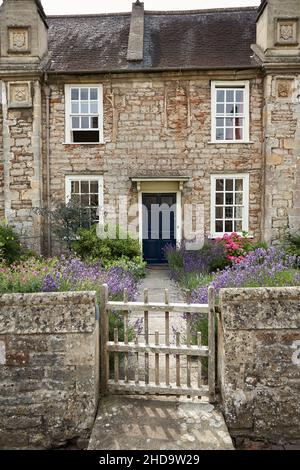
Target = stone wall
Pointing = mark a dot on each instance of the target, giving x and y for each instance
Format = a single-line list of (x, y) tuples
[(21, 170), (259, 363), (1, 168), (282, 150), (158, 125), (49, 368)]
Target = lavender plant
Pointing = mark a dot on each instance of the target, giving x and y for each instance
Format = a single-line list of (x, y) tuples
[(269, 267)]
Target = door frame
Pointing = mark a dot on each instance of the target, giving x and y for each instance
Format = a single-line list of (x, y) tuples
[(178, 213)]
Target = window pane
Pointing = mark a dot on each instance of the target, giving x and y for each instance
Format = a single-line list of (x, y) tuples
[(238, 212), (220, 122), (94, 187), (239, 108), (239, 185), (84, 187), (220, 95), (219, 184), (75, 187), (220, 108), (239, 96), (219, 133), (238, 226), (74, 107), (219, 199), (239, 198), (94, 124), (85, 124), (74, 94), (94, 215), (219, 212), (239, 122), (84, 106), (94, 200), (239, 133), (94, 94), (229, 122), (84, 93), (228, 212), (229, 96), (75, 198), (94, 107), (229, 108), (75, 122), (228, 226), (85, 200), (229, 198), (229, 185), (219, 226), (229, 133)]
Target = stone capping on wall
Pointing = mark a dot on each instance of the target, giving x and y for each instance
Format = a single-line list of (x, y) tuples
[(276, 303), (259, 362), (49, 368)]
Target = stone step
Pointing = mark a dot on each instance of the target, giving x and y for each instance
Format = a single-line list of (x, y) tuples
[(150, 423)]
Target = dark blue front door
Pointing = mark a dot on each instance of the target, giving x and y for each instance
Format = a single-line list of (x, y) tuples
[(159, 225)]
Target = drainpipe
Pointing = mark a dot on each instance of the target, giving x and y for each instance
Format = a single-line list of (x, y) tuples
[(47, 92)]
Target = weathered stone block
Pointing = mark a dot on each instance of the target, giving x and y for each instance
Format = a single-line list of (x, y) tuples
[(259, 362), (49, 368)]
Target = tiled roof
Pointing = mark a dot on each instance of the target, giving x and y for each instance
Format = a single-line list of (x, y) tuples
[(173, 40)]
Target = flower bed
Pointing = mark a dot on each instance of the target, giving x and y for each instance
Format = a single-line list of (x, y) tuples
[(70, 274), (65, 274), (261, 268)]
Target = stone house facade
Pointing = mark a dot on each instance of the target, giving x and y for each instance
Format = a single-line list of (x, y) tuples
[(175, 108)]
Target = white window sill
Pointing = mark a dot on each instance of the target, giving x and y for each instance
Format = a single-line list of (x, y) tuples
[(84, 143), (221, 235), (215, 142)]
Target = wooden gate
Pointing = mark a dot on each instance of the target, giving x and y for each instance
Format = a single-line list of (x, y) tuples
[(132, 350)]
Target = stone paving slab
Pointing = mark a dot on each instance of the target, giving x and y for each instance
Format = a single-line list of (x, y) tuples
[(151, 423)]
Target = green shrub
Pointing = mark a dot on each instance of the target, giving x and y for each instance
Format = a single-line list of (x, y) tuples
[(136, 266), (261, 244), (65, 220), (89, 246), (292, 243), (10, 245)]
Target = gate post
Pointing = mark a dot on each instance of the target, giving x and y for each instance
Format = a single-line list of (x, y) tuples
[(104, 338), (211, 345)]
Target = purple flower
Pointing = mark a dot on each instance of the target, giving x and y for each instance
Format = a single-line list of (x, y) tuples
[(262, 267)]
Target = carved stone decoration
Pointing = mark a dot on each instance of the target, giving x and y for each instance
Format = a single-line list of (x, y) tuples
[(19, 95), (284, 88), (287, 32), (18, 39)]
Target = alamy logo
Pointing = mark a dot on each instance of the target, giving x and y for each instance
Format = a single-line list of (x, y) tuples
[(296, 354)]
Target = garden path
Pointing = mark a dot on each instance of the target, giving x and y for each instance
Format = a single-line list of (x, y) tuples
[(156, 281)]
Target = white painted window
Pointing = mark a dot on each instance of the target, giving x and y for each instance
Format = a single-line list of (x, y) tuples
[(230, 111), (84, 114), (87, 192), (229, 204)]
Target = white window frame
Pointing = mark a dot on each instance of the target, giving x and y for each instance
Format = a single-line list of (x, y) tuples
[(215, 85), (70, 178), (245, 213), (68, 112)]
